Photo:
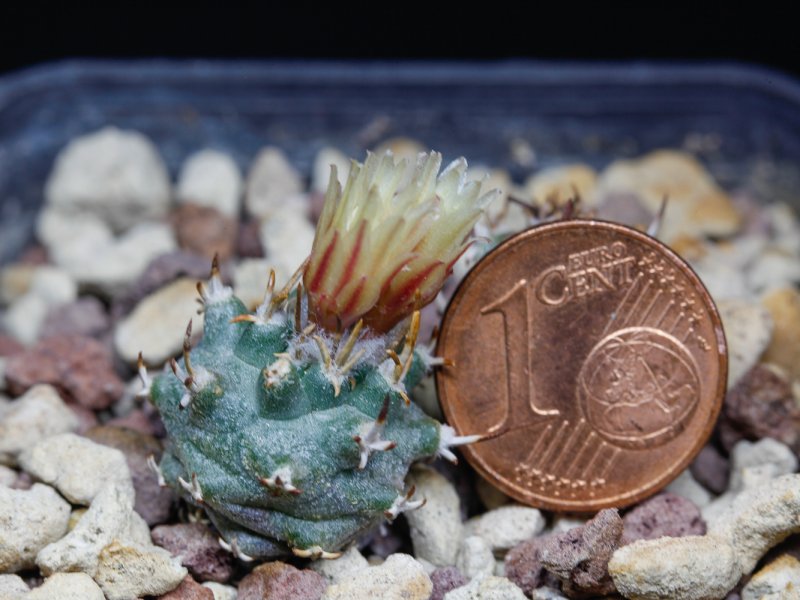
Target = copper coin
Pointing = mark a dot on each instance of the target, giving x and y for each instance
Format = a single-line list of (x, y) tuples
[(594, 358)]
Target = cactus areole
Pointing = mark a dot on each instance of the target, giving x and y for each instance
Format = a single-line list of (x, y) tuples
[(291, 426)]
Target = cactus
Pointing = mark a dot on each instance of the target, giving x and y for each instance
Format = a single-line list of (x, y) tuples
[(292, 426)]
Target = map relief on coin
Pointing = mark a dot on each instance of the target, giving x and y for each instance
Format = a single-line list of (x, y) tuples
[(593, 356)]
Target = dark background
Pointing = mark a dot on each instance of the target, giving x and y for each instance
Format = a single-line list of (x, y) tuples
[(760, 33)]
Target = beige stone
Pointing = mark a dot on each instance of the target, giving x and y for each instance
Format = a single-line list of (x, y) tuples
[(778, 580), (339, 569), (157, 325), (15, 281), (748, 330), (36, 415), (560, 184), (784, 348), (126, 571), (506, 526), (400, 577), (697, 205), (67, 586), (685, 568), (488, 587), (436, 527), (29, 521)]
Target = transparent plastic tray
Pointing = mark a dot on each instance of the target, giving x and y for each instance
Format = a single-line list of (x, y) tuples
[(743, 121)]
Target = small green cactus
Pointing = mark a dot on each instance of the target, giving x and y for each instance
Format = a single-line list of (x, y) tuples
[(291, 426)]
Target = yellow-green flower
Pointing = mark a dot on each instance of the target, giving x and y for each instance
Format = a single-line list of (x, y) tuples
[(386, 243)]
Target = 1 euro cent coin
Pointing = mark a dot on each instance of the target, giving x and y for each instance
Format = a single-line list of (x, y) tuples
[(592, 358)]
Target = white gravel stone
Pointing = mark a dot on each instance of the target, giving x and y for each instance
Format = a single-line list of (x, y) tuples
[(67, 586), (436, 527), (563, 523), (29, 520), (272, 185), (773, 268), (126, 571), (24, 318), (759, 518), (157, 325), (211, 178), (55, 286), (499, 567), (34, 416), (424, 396), (86, 248), (114, 174), (490, 496), (400, 577), (765, 455), (685, 568), (475, 557), (12, 587), (748, 329), (779, 580), (723, 281), (685, 485), (221, 591), (546, 593), (78, 467), (49, 287), (15, 281), (786, 227), (321, 171), (341, 568), (7, 476), (250, 278), (138, 531), (753, 465), (287, 237), (107, 519), (428, 566), (487, 588), (505, 527)]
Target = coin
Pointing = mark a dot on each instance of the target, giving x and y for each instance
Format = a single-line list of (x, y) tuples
[(592, 357)]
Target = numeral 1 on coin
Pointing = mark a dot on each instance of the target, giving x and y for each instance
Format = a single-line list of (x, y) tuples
[(521, 398)]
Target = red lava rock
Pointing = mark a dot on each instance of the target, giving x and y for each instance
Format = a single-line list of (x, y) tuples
[(9, 346), (86, 417), (78, 366), (153, 503), (34, 255), (316, 202), (711, 469), (161, 271), (626, 208), (523, 565), (248, 243), (665, 515), (85, 316), (388, 538), (279, 581), (24, 481), (189, 589), (204, 230), (445, 579), (762, 405), (579, 557), (136, 420), (198, 548)]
